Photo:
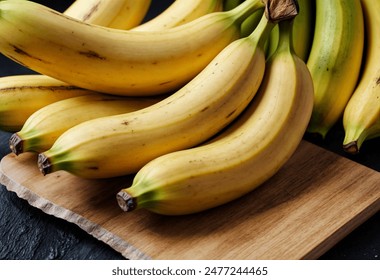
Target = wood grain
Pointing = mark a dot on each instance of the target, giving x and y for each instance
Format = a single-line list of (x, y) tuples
[(314, 201)]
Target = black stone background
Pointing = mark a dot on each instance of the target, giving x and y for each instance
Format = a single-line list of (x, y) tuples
[(27, 233)]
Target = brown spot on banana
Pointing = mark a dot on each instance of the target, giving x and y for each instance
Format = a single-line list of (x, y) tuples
[(87, 16), (20, 51), (205, 109), (51, 88), (164, 83), (230, 114), (92, 54)]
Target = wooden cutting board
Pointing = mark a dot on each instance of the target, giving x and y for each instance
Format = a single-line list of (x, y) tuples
[(315, 200)]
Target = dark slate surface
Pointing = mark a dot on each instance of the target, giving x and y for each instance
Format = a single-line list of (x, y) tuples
[(27, 233)]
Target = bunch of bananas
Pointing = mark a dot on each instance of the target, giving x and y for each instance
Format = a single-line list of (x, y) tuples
[(203, 103)]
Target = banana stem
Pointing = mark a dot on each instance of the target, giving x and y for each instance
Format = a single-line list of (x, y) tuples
[(262, 31), (44, 164), (16, 144), (281, 10), (244, 10), (126, 202), (286, 35)]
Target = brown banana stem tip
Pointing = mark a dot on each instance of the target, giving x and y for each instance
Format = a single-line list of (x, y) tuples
[(44, 164), (278, 10), (126, 202), (351, 148), (16, 144)]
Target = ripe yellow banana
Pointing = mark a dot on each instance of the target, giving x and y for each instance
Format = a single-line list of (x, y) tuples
[(120, 145), (361, 118), (248, 153), (335, 60), (121, 14), (22, 95), (43, 127), (115, 61), (303, 30), (181, 12)]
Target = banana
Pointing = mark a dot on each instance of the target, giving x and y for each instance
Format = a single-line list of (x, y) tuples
[(44, 126), (119, 145), (22, 95), (361, 118), (121, 14), (115, 61), (181, 12), (303, 30), (240, 159), (335, 60)]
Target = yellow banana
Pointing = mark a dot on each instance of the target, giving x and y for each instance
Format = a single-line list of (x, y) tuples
[(181, 12), (115, 61), (361, 118), (22, 95), (303, 30), (121, 14), (120, 145), (335, 60), (44, 126), (240, 159)]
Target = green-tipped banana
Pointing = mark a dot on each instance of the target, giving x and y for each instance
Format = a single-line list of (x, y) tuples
[(115, 61), (361, 119), (43, 127), (120, 145), (240, 159), (335, 60)]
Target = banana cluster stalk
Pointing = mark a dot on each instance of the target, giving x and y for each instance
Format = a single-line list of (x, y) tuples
[(240, 159), (120, 14), (43, 127), (121, 144), (181, 12), (335, 60), (111, 60), (22, 95), (361, 119)]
